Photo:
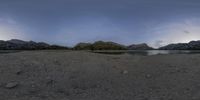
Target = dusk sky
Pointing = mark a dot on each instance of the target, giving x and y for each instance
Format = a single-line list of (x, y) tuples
[(67, 22)]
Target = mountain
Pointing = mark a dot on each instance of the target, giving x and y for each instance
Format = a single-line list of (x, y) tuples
[(16, 41), (142, 46), (100, 45), (83, 46), (58, 47), (16, 44), (192, 45)]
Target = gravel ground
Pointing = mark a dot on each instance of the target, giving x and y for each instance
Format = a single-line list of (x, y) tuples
[(79, 75)]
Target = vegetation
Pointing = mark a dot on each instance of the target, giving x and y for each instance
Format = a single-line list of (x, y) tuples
[(99, 45), (83, 46)]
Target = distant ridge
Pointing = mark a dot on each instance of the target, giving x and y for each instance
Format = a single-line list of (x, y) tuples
[(192, 45), (142, 46), (15, 44), (102, 45)]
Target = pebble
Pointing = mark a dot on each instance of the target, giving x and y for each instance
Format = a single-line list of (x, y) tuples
[(49, 80), (11, 85), (18, 71), (148, 76), (125, 72)]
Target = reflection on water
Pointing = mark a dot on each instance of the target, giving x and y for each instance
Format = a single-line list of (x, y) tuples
[(151, 52), (8, 51), (132, 52)]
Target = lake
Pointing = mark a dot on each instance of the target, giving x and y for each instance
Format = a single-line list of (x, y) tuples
[(132, 52), (148, 52), (9, 51)]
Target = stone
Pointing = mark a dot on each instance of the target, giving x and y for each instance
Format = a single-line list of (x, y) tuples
[(11, 85), (125, 72), (148, 76), (18, 71)]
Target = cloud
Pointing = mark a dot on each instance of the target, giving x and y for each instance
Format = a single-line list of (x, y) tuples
[(158, 43), (9, 29), (181, 31)]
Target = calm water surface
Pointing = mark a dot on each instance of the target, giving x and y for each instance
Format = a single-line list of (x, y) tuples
[(9, 51), (132, 52), (151, 52)]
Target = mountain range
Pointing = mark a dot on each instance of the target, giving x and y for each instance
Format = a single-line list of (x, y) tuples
[(192, 45), (16, 44), (101, 45)]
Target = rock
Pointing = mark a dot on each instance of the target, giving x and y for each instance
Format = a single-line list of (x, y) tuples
[(18, 71), (50, 81), (148, 76), (125, 72), (11, 85)]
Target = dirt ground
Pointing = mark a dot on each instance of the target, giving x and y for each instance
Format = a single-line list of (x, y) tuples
[(81, 75)]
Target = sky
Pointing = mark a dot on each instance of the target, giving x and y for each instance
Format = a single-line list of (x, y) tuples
[(68, 22)]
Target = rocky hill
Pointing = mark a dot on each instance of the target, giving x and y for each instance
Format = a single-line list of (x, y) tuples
[(16, 44), (142, 46), (83, 46), (193, 45), (101, 45)]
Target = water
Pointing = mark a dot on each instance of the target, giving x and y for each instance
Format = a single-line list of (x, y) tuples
[(8, 51), (150, 52), (132, 52)]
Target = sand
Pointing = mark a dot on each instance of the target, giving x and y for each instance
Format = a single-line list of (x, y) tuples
[(81, 75)]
